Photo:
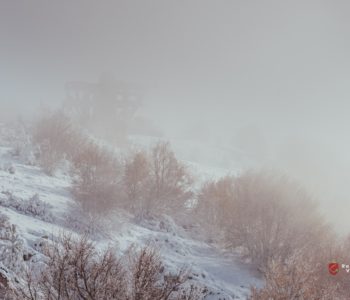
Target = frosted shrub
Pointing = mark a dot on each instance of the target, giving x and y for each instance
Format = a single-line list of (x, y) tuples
[(87, 223), (11, 246), (34, 206), (38, 208), (74, 269), (16, 135)]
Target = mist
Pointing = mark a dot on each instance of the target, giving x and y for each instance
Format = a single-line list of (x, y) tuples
[(210, 70)]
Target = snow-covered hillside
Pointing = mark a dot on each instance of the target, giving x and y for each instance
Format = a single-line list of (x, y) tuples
[(206, 160), (40, 206)]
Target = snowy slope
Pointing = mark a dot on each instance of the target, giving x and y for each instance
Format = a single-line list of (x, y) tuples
[(226, 277), (206, 161)]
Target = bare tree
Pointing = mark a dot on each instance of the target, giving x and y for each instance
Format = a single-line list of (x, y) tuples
[(157, 182), (149, 280), (214, 200), (170, 181), (99, 172), (57, 139), (75, 270), (136, 181)]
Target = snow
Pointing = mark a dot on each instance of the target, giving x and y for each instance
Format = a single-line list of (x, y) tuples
[(207, 159), (225, 275)]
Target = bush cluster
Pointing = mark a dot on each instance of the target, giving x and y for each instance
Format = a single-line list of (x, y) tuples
[(75, 269), (264, 213), (34, 206), (11, 245), (279, 228), (146, 183), (272, 219)]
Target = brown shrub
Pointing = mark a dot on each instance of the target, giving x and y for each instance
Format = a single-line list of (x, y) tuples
[(98, 186), (149, 280), (266, 214), (302, 276), (57, 139), (157, 182), (214, 203), (136, 181), (75, 270), (171, 181)]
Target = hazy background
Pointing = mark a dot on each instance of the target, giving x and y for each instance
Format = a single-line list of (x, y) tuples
[(275, 72)]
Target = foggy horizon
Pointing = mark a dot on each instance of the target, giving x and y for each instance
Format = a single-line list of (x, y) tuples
[(209, 70)]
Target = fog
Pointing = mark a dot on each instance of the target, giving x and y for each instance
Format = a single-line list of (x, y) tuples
[(278, 70)]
